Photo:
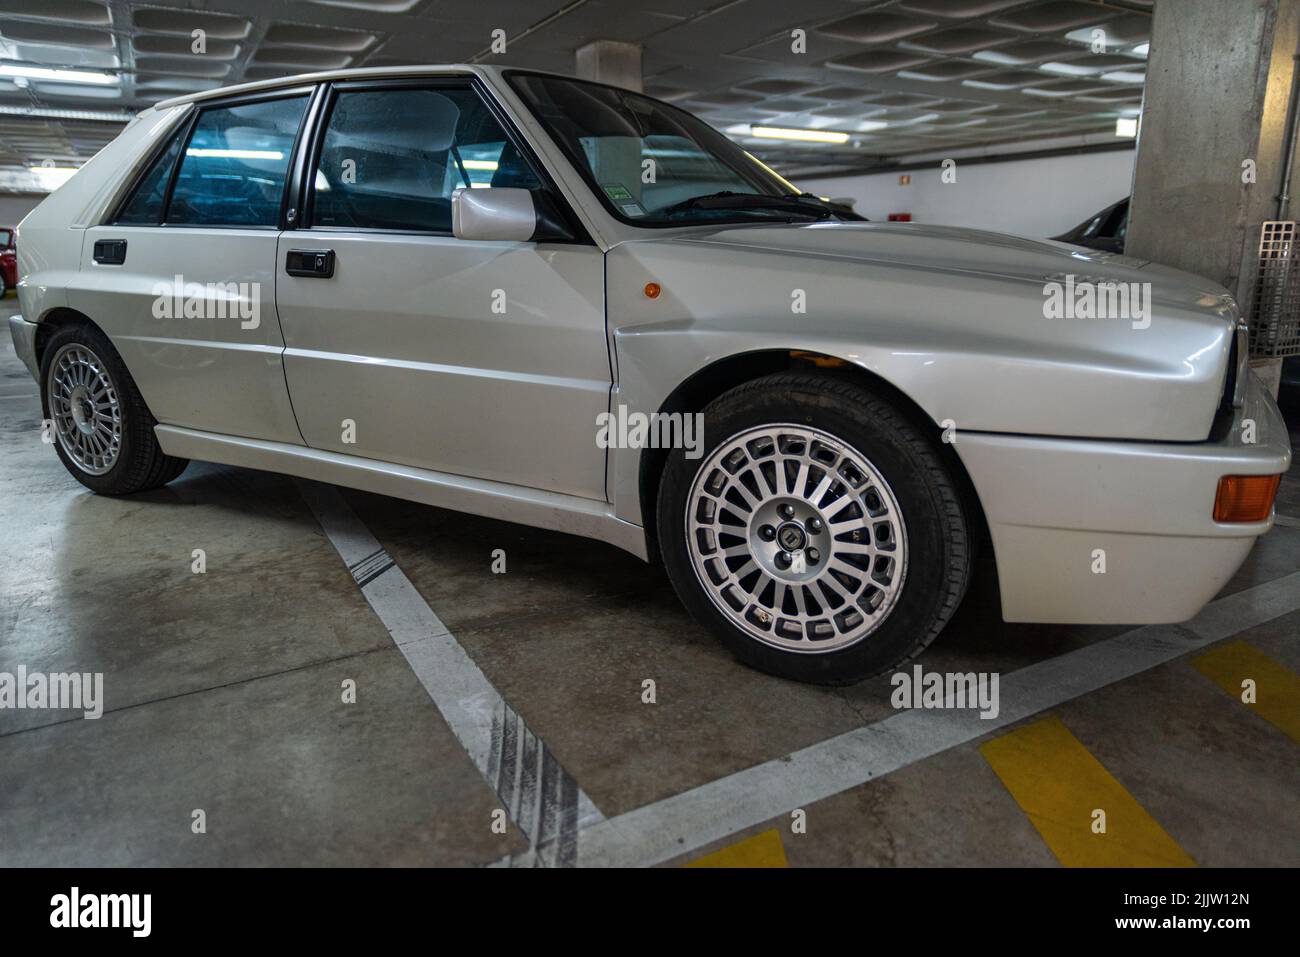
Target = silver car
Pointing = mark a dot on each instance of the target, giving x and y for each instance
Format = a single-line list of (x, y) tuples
[(579, 308)]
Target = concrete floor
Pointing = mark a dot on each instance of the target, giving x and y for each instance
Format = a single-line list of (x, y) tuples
[(223, 694)]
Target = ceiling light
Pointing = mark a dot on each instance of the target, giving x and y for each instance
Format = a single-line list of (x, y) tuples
[(1125, 76), (490, 165), (46, 113), (1127, 127), (803, 136), (61, 76), (1142, 49), (235, 154), (52, 177), (1069, 69)]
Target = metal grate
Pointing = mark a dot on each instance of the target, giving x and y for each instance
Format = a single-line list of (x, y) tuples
[(1275, 320)]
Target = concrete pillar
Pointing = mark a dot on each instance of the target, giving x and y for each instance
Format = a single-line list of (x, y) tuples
[(1217, 94), (610, 61)]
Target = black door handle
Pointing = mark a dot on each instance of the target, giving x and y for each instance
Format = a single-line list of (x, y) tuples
[(310, 263), (110, 252)]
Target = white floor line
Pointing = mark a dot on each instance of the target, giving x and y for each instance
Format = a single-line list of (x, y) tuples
[(685, 822), (541, 798), (1286, 520)]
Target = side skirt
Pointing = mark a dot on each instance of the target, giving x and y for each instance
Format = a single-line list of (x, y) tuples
[(510, 503)]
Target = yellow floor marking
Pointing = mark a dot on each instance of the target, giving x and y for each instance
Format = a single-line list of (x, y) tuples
[(1060, 786), (761, 850), (1276, 687)]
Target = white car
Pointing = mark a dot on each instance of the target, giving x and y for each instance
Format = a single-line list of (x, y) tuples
[(575, 307)]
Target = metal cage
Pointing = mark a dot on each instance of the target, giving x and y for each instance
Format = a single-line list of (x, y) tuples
[(1275, 319)]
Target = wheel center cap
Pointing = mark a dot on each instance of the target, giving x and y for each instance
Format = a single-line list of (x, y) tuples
[(791, 537), (83, 411)]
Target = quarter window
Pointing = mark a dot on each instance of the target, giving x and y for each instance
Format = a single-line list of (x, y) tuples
[(234, 167), (391, 159), (145, 207)]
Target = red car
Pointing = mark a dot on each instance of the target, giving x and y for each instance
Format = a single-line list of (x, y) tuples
[(8, 260)]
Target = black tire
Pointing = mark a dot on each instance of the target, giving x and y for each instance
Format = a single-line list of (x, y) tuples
[(141, 463), (937, 532)]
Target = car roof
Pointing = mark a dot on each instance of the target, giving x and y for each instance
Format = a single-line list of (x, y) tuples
[(454, 69)]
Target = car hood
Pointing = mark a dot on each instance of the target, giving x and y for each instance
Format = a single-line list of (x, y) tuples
[(952, 249), (962, 321)]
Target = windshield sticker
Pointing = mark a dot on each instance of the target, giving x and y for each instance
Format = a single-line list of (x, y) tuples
[(632, 209), (618, 193)]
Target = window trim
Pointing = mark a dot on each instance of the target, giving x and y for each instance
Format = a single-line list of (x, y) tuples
[(305, 197)]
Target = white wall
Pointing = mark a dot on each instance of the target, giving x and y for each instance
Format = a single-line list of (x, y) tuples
[(14, 208), (1033, 197)]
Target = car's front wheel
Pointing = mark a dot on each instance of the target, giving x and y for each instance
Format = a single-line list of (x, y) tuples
[(819, 534), (100, 425)]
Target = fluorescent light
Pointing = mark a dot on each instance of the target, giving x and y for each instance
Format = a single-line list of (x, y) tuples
[(1125, 76), (803, 136), (322, 184), (236, 154), (489, 165), (993, 56), (62, 76), (52, 177), (1069, 69), (1127, 127), (40, 112), (1142, 49)]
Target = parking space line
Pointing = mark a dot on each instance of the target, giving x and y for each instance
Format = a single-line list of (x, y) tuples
[(1286, 520), (677, 825), (541, 798), (761, 850), (1274, 687), (1084, 815)]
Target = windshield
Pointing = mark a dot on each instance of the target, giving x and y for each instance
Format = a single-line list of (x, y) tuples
[(6, 238), (652, 164)]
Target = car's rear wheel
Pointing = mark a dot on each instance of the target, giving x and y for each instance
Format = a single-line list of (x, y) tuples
[(819, 534), (102, 429)]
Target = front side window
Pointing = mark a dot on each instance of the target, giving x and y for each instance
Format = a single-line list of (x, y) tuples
[(652, 164), (235, 164), (392, 158)]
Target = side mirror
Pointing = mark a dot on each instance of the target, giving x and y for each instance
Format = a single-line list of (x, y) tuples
[(497, 213)]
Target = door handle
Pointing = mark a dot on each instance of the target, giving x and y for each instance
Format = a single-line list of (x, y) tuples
[(110, 252), (310, 263)]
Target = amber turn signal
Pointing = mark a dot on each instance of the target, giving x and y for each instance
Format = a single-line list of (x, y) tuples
[(1245, 498), (652, 290)]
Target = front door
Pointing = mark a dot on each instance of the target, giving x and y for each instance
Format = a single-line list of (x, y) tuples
[(404, 344)]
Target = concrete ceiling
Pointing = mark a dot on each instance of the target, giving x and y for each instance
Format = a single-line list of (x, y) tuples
[(939, 75)]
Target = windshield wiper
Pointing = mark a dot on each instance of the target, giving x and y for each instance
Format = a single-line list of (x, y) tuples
[(729, 199)]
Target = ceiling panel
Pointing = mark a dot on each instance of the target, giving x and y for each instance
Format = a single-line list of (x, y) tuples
[(933, 72)]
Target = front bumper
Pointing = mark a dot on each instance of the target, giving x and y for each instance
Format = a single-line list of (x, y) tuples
[(1097, 532), (24, 336)]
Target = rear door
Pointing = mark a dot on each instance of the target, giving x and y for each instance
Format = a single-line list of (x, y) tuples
[(183, 279), (406, 345)]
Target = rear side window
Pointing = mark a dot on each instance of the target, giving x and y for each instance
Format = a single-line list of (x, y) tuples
[(234, 166), (145, 207), (391, 159)]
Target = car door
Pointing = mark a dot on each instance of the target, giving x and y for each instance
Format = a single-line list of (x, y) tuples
[(182, 277), (406, 345)]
